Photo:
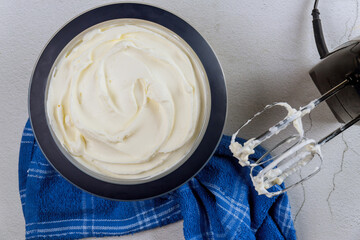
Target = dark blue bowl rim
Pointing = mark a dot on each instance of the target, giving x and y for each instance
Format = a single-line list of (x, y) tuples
[(126, 192)]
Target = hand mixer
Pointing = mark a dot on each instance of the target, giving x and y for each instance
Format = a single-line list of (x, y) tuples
[(337, 77)]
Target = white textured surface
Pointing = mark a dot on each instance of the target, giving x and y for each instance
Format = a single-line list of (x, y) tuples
[(266, 49)]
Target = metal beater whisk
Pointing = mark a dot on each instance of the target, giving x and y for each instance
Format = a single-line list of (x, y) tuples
[(277, 168)]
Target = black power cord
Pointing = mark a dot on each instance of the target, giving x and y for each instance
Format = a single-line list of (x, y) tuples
[(318, 32), (316, 3)]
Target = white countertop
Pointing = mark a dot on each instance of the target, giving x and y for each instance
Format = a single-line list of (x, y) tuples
[(266, 49)]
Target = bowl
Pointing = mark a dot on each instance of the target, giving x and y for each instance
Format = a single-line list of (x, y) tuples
[(121, 189)]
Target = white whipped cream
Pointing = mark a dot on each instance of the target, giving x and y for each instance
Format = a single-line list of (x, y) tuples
[(242, 152), (127, 99)]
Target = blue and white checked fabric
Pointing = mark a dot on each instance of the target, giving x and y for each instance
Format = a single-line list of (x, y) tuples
[(218, 203)]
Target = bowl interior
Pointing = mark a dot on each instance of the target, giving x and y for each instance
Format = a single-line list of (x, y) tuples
[(204, 92)]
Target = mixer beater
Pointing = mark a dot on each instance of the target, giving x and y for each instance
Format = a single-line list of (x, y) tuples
[(277, 168)]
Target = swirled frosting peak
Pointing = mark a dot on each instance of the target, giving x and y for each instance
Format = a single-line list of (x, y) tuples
[(126, 99)]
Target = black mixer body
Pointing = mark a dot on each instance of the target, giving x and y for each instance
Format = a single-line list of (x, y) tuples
[(342, 63)]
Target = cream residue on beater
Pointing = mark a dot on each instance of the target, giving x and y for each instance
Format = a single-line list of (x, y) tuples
[(270, 175), (242, 152)]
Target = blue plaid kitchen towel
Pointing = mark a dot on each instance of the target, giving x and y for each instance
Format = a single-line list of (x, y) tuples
[(218, 203)]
